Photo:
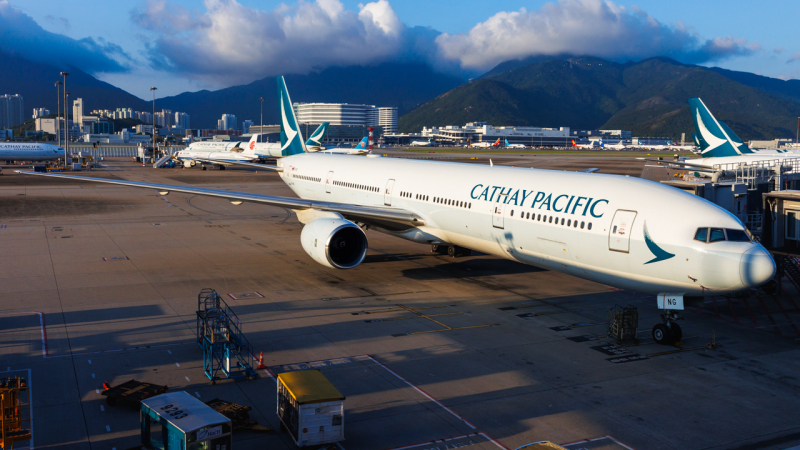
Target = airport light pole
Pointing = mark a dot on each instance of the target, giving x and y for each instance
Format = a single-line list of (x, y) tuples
[(66, 120), (58, 112), (797, 141), (262, 115), (153, 90)]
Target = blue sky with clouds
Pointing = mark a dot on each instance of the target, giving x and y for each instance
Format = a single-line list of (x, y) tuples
[(182, 45)]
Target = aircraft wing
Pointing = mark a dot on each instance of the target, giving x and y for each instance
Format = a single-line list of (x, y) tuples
[(390, 218), (687, 166)]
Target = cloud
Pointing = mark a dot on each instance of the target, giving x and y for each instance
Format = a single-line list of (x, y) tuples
[(239, 43), (795, 57), (582, 27), (58, 21), (21, 36)]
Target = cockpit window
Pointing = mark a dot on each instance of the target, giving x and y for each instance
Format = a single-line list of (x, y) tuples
[(737, 235), (701, 235), (717, 234)]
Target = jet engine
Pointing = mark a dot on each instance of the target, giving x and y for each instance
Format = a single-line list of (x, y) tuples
[(189, 163), (334, 243)]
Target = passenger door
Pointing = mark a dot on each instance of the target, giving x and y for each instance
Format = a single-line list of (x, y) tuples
[(497, 216), (387, 196), (328, 182), (619, 235)]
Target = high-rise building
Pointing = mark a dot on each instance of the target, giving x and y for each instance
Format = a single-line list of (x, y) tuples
[(246, 124), (11, 110), (227, 122), (144, 116), (77, 111), (182, 120), (387, 119), (164, 118), (39, 112)]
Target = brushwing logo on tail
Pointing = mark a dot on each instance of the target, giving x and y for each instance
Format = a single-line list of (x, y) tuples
[(712, 140), (287, 129), (659, 253)]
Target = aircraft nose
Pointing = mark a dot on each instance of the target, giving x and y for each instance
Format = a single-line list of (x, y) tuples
[(757, 267)]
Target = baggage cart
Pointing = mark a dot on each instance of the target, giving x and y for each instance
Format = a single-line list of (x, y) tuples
[(131, 392), (177, 420)]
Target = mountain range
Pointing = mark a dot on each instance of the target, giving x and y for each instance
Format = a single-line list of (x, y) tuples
[(404, 85), (646, 97)]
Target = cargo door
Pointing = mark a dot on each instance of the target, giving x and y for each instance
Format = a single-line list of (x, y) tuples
[(328, 182), (619, 235), (497, 216), (387, 196)]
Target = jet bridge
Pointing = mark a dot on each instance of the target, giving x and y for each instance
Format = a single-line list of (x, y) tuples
[(226, 352)]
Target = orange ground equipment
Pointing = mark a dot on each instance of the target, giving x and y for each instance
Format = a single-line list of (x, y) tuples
[(16, 418)]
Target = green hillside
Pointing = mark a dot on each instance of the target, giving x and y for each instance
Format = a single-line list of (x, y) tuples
[(648, 97)]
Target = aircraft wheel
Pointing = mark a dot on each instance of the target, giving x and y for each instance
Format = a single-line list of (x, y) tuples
[(661, 334), (451, 251), (770, 288), (204, 167), (675, 330), (221, 167), (435, 248)]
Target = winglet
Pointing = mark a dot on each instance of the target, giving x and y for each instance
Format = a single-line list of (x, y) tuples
[(291, 138)]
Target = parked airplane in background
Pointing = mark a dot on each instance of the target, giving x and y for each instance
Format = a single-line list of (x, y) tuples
[(220, 159), (486, 144), (19, 151), (591, 144), (514, 145), (719, 145), (421, 143), (314, 142), (362, 148), (252, 150), (618, 231)]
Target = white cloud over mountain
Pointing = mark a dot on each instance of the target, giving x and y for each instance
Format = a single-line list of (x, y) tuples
[(582, 27), (226, 43)]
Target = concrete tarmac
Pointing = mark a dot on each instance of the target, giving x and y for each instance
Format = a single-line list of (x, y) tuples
[(100, 283)]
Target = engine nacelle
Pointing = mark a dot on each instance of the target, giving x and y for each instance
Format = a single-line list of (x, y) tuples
[(189, 163), (334, 243)]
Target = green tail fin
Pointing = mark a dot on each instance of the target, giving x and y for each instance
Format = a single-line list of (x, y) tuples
[(291, 139)]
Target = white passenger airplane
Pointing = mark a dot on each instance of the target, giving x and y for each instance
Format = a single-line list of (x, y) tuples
[(486, 144), (719, 145), (18, 151), (613, 230), (427, 143), (514, 145)]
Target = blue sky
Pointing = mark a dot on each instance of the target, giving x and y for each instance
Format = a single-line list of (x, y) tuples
[(183, 45)]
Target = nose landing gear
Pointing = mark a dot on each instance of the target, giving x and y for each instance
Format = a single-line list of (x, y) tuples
[(669, 332)]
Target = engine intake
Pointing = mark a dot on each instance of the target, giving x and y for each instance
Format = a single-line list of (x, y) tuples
[(335, 243)]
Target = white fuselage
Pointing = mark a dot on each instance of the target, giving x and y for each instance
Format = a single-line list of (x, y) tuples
[(13, 151), (751, 158), (189, 155), (589, 225), (251, 150)]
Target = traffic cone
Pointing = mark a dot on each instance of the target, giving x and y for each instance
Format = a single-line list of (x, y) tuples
[(261, 361), (106, 386)]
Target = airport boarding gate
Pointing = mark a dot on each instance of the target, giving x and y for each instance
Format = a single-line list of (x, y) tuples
[(226, 352)]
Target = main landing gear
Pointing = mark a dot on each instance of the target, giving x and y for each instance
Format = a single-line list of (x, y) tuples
[(669, 332), (450, 250)]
